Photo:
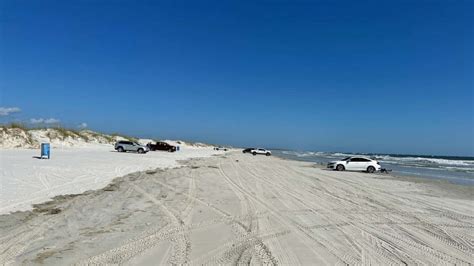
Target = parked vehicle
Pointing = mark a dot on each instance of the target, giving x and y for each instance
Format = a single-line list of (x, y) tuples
[(355, 164), (124, 146), (261, 152), (161, 146), (220, 148), (248, 150)]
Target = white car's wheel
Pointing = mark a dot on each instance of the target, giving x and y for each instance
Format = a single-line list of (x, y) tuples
[(340, 167), (370, 169)]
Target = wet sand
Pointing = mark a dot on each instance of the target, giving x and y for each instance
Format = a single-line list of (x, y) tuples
[(238, 208)]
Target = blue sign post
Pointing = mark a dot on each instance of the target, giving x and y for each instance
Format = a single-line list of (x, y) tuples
[(45, 150)]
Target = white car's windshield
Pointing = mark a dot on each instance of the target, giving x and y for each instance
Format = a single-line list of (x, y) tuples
[(346, 159)]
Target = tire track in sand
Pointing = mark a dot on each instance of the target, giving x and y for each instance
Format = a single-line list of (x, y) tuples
[(282, 255), (301, 234), (258, 248), (397, 242), (151, 238), (180, 242), (276, 189)]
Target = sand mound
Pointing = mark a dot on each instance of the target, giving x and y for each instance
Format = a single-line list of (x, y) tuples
[(188, 144), (19, 137), (58, 137), (16, 138)]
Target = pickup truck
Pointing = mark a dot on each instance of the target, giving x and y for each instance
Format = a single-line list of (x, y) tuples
[(161, 146)]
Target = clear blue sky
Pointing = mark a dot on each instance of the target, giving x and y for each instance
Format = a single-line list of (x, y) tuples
[(366, 76)]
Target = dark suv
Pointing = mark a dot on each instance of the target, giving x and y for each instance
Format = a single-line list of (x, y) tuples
[(161, 146)]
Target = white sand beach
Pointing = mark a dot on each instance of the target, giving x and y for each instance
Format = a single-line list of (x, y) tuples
[(236, 208), (236, 133), (27, 180)]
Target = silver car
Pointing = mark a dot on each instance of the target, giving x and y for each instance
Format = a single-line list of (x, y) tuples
[(125, 145)]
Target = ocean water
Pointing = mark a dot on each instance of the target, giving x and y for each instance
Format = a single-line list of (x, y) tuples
[(458, 170)]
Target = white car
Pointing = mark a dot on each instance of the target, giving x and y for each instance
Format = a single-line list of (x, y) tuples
[(261, 151), (355, 164), (125, 145)]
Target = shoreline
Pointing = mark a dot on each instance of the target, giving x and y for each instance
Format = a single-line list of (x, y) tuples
[(250, 203), (455, 189), (448, 168)]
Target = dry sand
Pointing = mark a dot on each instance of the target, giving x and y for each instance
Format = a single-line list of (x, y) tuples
[(245, 209), (26, 180)]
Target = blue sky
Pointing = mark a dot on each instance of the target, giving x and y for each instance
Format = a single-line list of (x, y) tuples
[(366, 76)]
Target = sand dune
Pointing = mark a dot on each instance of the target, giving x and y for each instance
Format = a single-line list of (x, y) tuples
[(243, 209)]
